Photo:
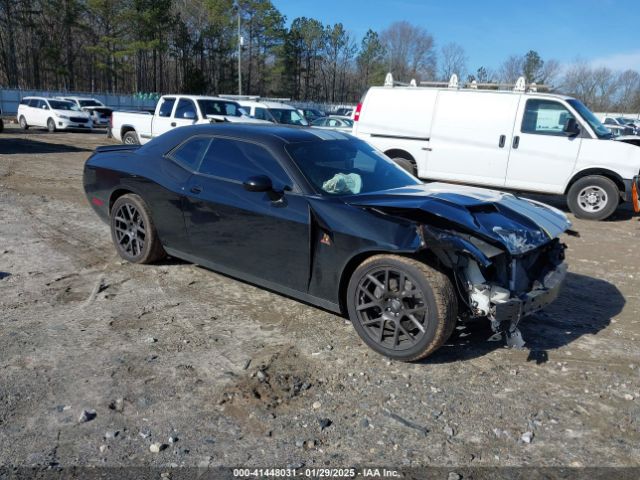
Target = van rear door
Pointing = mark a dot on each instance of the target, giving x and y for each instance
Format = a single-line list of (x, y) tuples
[(471, 137), (542, 155)]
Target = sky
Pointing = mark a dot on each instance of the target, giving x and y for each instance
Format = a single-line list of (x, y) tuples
[(600, 32)]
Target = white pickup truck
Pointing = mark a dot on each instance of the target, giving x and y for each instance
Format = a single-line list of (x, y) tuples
[(175, 111)]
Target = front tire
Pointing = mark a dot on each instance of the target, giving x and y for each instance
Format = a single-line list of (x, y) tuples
[(133, 232), (130, 138), (23, 123), (401, 307), (593, 198), (51, 125)]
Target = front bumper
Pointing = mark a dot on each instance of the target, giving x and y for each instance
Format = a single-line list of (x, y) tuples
[(514, 309), (63, 124)]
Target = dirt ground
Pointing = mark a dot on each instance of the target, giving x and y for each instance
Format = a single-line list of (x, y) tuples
[(222, 373)]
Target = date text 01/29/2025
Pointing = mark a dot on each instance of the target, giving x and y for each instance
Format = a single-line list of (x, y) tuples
[(315, 473)]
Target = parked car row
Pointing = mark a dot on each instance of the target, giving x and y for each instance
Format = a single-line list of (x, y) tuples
[(53, 114), (622, 126)]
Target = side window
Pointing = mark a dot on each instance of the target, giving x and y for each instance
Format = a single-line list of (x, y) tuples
[(166, 107), (609, 121), (545, 117), (186, 109), (190, 152), (261, 114), (25, 101), (237, 160)]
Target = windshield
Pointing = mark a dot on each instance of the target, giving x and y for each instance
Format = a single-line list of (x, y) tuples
[(62, 105), (287, 116), (347, 167), (220, 107), (90, 103), (591, 119)]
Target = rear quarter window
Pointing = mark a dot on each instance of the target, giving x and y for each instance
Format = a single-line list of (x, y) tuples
[(190, 152)]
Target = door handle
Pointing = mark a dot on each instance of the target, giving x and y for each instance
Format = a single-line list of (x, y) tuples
[(173, 124), (516, 141), (196, 189), (503, 139)]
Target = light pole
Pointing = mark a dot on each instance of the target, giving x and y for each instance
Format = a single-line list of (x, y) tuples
[(240, 42)]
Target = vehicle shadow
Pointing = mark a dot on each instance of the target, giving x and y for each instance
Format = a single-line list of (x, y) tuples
[(4, 275), (585, 306), (623, 213), (14, 146)]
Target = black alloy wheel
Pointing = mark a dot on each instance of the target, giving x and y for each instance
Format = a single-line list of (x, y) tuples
[(401, 307), (130, 230), (391, 308), (133, 232)]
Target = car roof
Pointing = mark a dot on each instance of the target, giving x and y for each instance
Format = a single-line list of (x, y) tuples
[(252, 103), (270, 134), (201, 97), (479, 91)]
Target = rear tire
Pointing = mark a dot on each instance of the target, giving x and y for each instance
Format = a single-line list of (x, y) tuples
[(51, 125), (408, 165), (401, 307), (130, 138), (1, 125), (133, 231), (23, 123), (593, 198)]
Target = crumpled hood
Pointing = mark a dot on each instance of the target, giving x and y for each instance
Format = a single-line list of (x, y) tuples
[(518, 224)]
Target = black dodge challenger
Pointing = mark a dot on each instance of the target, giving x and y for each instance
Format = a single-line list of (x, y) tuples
[(325, 218)]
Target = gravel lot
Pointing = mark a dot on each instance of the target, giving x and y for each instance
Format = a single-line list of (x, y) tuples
[(219, 372)]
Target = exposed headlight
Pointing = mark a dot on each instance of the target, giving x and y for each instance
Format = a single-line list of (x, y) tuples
[(66, 117), (520, 241)]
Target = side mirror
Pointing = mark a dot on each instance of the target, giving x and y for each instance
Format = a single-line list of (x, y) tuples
[(571, 128), (189, 115), (260, 183)]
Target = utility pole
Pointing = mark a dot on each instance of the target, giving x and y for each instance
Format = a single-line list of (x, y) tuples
[(240, 42)]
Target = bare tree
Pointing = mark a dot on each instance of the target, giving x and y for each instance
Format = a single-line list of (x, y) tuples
[(628, 91), (511, 69), (550, 73), (453, 60), (410, 51)]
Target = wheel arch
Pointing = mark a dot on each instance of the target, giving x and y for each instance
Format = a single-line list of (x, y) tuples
[(127, 128), (603, 172), (117, 193), (399, 153), (426, 256)]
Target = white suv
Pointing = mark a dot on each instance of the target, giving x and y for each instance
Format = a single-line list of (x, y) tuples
[(275, 112), (100, 114), (53, 114)]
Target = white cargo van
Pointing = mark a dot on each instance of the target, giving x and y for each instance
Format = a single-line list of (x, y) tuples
[(518, 139)]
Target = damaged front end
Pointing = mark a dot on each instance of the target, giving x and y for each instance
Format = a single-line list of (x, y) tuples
[(504, 252), (504, 287)]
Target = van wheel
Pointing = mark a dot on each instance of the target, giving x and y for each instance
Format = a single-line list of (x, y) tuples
[(401, 307), (593, 198), (130, 138), (51, 125), (23, 123), (408, 165)]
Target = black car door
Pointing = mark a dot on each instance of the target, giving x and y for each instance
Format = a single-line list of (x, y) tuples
[(247, 233)]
